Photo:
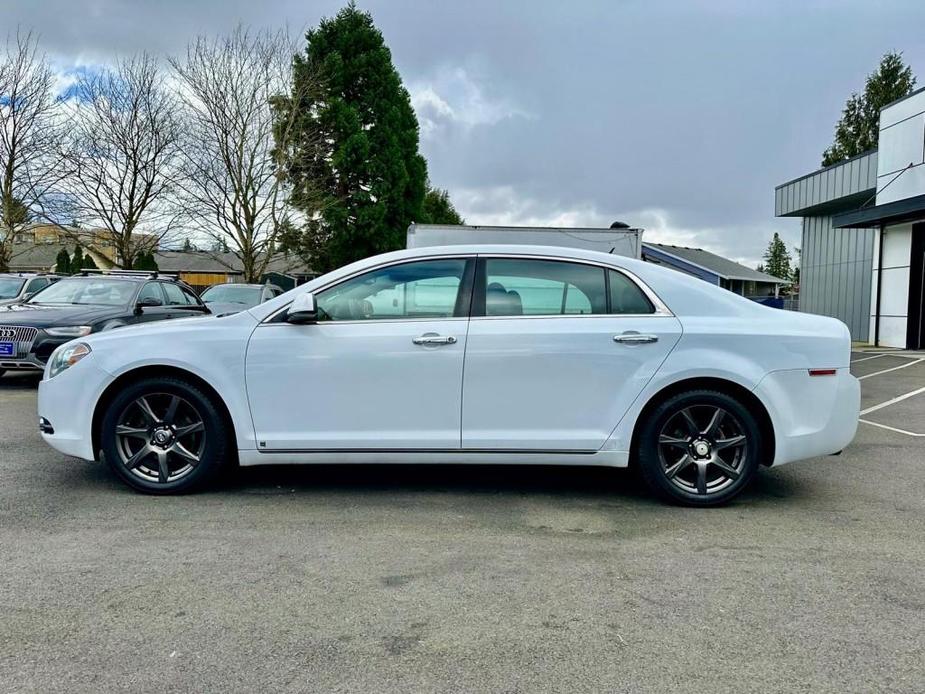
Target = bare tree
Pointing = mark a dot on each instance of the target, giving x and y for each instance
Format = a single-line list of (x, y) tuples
[(31, 124), (123, 155), (235, 91)]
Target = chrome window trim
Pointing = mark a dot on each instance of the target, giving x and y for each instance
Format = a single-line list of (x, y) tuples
[(453, 256), (372, 321), (661, 309)]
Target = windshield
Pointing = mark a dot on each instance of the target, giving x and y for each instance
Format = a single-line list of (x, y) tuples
[(232, 294), (104, 292), (10, 286)]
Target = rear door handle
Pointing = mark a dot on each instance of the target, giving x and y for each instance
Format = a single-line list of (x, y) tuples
[(433, 339), (635, 338)]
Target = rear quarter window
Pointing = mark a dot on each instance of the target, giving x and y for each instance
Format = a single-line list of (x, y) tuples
[(626, 297)]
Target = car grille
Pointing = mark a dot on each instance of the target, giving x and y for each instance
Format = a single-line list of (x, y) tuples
[(21, 336)]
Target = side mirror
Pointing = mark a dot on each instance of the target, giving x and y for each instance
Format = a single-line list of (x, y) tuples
[(303, 310), (28, 295), (148, 302)]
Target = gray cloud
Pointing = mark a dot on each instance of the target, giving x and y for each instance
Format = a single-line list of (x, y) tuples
[(680, 117)]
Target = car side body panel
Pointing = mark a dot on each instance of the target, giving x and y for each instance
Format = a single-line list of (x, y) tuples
[(770, 355), (766, 351)]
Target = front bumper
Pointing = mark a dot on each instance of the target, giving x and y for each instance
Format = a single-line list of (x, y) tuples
[(66, 402), (812, 415)]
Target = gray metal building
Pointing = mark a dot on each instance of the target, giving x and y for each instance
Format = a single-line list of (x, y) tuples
[(836, 264)]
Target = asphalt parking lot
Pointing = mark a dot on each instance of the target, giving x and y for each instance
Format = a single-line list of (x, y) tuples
[(470, 579)]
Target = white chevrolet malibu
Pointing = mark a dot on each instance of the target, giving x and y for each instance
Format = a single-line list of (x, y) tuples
[(465, 354)]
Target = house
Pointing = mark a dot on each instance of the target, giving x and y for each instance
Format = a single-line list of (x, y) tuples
[(44, 234), (199, 269), (714, 269)]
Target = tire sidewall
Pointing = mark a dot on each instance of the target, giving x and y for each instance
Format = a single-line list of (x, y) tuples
[(215, 429), (650, 465)]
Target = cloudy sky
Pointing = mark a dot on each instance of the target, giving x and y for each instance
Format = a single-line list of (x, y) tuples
[(679, 117)]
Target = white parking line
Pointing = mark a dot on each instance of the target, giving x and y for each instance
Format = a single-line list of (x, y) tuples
[(895, 368), (884, 426), (898, 398), (876, 356)]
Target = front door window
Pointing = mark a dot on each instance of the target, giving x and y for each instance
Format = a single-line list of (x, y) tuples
[(425, 289)]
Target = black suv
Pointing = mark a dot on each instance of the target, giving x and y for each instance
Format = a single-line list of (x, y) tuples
[(76, 306), (19, 286)]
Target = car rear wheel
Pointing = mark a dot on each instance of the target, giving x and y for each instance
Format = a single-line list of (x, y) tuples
[(699, 448), (164, 436)]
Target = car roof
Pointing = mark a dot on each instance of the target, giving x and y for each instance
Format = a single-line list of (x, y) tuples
[(238, 284), (122, 278), (28, 275)]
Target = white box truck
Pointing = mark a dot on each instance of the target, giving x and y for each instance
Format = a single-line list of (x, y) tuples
[(620, 239)]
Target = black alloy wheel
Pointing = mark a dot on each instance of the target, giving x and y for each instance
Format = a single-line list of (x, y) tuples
[(699, 448), (164, 436)]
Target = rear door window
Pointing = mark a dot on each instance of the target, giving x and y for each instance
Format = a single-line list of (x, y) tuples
[(527, 287)]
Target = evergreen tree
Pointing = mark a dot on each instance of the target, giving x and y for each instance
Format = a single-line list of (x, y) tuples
[(777, 259), (145, 261), (63, 262), (354, 165), (438, 209), (77, 260), (859, 127), (88, 263)]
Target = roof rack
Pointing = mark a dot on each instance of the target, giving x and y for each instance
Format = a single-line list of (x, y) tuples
[(149, 274)]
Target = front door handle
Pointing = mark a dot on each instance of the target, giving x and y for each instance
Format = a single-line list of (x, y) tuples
[(434, 339), (635, 338)]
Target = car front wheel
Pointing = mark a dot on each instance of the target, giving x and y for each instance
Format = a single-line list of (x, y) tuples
[(164, 436), (699, 448)]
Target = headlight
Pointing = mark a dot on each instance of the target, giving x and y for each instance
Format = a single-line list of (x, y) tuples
[(70, 331), (65, 357)]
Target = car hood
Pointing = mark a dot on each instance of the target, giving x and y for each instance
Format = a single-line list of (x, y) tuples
[(187, 330), (33, 315), (220, 308)]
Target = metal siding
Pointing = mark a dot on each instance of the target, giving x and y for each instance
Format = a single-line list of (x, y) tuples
[(836, 273), (827, 185)]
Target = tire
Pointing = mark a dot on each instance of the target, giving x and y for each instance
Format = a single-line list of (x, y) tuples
[(164, 436), (699, 448)]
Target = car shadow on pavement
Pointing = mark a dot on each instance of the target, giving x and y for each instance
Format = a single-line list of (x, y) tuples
[(459, 479), (576, 482), (20, 381)]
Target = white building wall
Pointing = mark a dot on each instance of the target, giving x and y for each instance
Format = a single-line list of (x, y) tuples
[(901, 156), (894, 286), (900, 175)]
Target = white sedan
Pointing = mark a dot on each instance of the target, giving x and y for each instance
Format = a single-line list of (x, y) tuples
[(465, 354)]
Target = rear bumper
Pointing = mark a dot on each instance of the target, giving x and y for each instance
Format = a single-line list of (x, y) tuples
[(812, 415)]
